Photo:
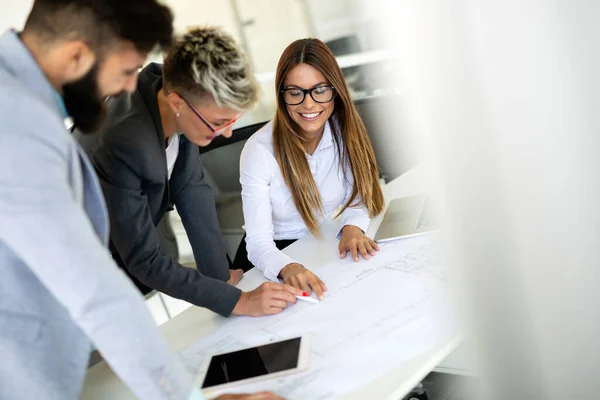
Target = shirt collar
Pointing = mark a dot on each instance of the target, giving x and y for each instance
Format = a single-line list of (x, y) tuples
[(61, 105), (326, 139)]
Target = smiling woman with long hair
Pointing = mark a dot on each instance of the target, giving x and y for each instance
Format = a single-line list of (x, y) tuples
[(298, 170)]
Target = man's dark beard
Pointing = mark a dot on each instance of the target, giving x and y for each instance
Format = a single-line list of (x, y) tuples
[(84, 102)]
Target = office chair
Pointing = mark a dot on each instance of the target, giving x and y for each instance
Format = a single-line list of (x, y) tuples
[(221, 164), (239, 134)]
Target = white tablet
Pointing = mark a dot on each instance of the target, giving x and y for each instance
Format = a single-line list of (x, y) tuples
[(252, 364)]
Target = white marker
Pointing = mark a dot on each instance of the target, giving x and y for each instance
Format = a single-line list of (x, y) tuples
[(307, 298)]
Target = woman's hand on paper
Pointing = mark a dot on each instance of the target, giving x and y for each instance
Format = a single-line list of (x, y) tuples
[(297, 275), (354, 240), (268, 299)]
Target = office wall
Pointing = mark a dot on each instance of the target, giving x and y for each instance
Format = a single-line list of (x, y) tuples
[(333, 18), (265, 28), (13, 13), (270, 26), (189, 13), (267, 23)]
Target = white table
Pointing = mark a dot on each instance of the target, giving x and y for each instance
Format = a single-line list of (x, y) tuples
[(195, 323)]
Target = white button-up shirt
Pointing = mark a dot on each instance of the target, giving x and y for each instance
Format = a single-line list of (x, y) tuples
[(172, 151), (269, 210)]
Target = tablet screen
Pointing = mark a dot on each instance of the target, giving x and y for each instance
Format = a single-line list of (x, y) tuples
[(253, 362)]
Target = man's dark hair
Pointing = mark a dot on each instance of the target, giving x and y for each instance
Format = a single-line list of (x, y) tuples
[(145, 23)]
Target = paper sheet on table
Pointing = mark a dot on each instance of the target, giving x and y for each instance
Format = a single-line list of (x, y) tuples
[(376, 314)]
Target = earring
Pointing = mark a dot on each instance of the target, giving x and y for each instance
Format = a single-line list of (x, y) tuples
[(178, 115)]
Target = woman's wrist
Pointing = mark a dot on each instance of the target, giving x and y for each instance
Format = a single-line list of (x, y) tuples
[(289, 269), (351, 227)]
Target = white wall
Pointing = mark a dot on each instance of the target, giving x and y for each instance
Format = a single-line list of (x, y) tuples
[(269, 25), (272, 26), (189, 13), (13, 13), (333, 19)]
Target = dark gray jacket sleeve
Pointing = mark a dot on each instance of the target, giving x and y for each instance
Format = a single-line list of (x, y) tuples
[(136, 240), (196, 207)]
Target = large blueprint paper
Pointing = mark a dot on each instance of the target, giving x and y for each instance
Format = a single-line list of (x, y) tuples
[(376, 314)]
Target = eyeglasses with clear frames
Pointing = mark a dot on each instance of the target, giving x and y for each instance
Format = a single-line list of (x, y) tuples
[(215, 131)]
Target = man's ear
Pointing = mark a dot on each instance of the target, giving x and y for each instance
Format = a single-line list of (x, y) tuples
[(78, 60), (175, 102)]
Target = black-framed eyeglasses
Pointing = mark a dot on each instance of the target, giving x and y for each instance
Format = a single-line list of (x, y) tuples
[(320, 94)]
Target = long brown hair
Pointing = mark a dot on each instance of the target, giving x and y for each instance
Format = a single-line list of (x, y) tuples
[(347, 129)]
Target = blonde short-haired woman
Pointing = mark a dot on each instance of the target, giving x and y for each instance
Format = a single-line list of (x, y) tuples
[(147, 158)]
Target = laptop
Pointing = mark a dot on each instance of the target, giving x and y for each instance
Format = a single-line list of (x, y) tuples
[(406, 217)]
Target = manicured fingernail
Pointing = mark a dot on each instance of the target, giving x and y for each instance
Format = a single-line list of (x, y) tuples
[(304, 294)]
